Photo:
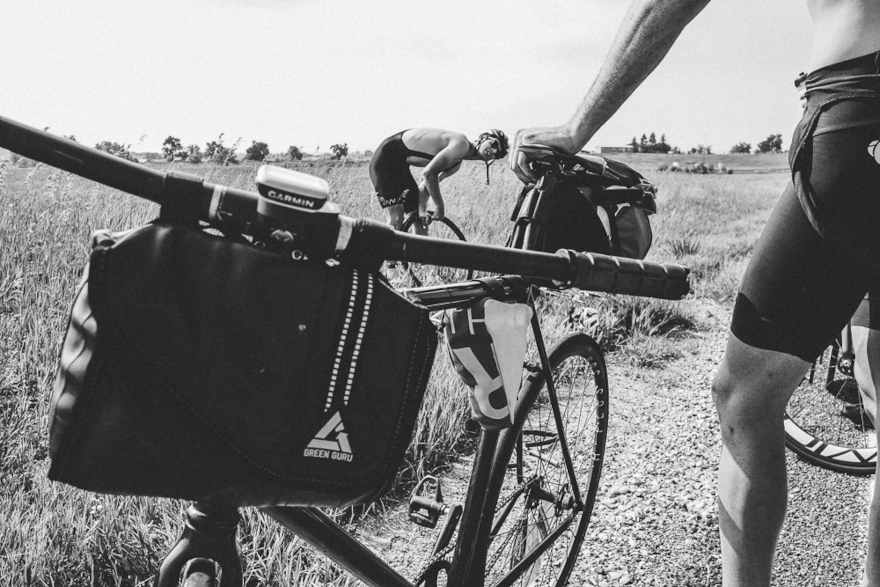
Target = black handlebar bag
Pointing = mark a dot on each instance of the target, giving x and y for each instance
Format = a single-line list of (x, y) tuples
[(202, 368)]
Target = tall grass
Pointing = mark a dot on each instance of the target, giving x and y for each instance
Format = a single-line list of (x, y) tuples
[(51, 534)]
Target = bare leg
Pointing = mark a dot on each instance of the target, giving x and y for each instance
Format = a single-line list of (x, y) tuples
[(872, 563), (394, 216), (420, 228), (751, 389), (866, 346)]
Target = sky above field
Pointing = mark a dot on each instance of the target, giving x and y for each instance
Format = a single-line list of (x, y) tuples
[(312, 73)]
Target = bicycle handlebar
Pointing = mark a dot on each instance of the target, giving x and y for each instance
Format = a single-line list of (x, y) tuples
[(329, 234)]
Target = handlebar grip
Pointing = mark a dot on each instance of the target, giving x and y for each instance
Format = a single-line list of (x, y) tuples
[(604, 273), (81, 160)]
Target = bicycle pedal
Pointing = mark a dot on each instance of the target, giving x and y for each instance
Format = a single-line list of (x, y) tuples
[(425, 509)]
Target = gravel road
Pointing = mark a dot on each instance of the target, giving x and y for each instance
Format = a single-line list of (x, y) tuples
[(656, 524), (655, 521)]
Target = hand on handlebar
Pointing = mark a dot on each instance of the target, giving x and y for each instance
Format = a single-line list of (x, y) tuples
[(558, 137)]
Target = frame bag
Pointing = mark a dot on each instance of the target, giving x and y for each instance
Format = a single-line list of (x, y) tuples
[(204, 368)]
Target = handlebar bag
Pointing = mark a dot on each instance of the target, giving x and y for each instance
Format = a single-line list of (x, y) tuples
[(202, 368), (586, 212)]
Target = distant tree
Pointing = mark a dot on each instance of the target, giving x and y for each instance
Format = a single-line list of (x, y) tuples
[(701, 150), (194, 154), (171, 147), (217, 152), (257, 151), (339, 151), (294, 153), (70, 137), (662, 146), (773, 144), (650, 144), (741, 148), (213, 147), (117, 149)]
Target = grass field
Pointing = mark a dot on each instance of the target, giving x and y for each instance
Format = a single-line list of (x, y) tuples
[(52, 534)]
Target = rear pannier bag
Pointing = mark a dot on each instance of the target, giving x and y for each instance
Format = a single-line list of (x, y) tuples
[(604, 209), (202, 368)]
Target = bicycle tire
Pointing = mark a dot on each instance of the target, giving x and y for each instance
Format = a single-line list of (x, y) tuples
[(816, 428), (418, 274), (536, 497)]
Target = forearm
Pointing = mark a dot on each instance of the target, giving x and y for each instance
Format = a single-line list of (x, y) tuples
[(432, 186), (648, 32)]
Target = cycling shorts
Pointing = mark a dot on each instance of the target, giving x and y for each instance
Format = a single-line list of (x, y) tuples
[(819, 254), (391, 177)]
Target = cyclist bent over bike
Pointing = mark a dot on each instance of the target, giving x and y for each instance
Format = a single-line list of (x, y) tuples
[(817, 257), (440, 152)]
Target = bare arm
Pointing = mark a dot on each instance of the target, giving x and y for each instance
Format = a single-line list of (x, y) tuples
[(450, 156), (423, 191), (649, 30)]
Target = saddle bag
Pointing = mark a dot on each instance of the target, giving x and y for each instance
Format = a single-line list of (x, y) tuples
[(204, 368), (600, 206)]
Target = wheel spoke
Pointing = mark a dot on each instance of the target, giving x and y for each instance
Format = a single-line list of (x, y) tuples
[(540, 530), (826, 423)]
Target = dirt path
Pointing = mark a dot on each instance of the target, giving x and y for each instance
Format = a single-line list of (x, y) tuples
[(655, 521)]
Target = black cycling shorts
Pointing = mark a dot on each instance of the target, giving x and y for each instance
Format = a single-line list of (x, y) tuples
[(391, 177), (820, 251)]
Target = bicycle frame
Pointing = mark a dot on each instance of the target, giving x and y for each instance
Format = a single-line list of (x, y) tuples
[(476, 524), (325, 234)]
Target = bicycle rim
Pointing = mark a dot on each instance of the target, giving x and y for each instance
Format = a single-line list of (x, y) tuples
[(418, 274), (538, 506), (817, 427)]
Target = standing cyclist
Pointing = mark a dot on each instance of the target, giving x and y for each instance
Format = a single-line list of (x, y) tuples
[(440, 152), (817, 257)]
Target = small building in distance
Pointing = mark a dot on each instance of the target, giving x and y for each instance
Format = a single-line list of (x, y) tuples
[(623, 149)]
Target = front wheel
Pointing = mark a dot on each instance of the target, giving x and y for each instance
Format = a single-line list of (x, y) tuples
[(418, 274), (825, 422), (548, 492)]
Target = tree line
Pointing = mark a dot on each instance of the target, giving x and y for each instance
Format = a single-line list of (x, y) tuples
[(218, 152), (215, 151), (650, 144), (772, 144)]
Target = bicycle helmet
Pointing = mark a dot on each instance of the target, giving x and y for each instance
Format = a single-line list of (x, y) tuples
[(500, 139), (502, 146)]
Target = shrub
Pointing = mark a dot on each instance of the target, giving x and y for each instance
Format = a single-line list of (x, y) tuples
[(117, 149), (257, 151)]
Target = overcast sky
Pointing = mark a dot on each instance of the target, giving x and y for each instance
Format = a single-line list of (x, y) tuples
[(312, 73)]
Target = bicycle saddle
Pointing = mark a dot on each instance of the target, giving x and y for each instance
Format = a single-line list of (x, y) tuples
[(582, 168)]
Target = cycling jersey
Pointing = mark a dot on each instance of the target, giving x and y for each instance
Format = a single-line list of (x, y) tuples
[(820, 251)]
